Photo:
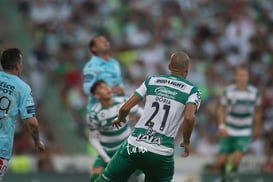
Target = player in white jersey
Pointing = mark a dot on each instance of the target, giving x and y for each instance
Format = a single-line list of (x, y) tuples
[(170, 101), (15, 100), (103, 136), (239, 117)]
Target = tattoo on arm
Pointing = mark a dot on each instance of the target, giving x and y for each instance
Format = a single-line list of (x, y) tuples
[(35, 133)]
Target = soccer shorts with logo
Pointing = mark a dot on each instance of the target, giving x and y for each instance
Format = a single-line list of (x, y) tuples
[(128, 158)]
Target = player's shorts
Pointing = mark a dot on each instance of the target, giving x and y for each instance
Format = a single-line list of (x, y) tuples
[(231, 144), (128, 158), (3, 167), (99, 162)]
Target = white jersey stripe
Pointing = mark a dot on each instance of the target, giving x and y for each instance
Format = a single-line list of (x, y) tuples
[(241, 132), (111, 139), (112, 148), (158, 149), (239, 121)]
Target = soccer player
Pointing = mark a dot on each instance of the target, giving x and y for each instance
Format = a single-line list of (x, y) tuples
[(105, 138), (15, 100), (239, 117), (170, 100), (101, 67)]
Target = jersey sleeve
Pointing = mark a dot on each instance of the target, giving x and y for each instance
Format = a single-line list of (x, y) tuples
[(258, 101), (223, 99), (195, 98), (142, 90), (26, 104), (120, 83), (91, 121), (89, 78)]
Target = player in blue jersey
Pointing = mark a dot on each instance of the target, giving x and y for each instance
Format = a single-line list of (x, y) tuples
[(101, 67), (170, 100), (15, 100)]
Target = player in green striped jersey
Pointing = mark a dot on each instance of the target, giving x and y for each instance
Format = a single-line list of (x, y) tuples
[(103, 136), (169, 100), (239, 117)]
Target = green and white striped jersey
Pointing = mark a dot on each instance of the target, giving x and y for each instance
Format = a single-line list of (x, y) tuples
[(100, 119), (166, 98), (240, 109)]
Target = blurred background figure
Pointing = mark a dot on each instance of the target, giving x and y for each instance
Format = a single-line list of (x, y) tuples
[(239, 117)]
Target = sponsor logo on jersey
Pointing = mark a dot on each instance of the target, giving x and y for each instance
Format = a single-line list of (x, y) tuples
[(30, 102), (88, 78), (149, 137), (162, 91), (102, 115), (198, 100), (171, 82), (6, 88)]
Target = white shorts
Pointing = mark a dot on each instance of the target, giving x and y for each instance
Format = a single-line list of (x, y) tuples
[(3, 167)]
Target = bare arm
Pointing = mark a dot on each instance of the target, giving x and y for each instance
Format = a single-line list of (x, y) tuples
[(34, 131), (257, 122), (125, 109), (187, 127), (221, 114)]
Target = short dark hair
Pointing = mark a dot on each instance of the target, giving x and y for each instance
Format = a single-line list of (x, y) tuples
[(92, 43), (10, 57), (95, 86)]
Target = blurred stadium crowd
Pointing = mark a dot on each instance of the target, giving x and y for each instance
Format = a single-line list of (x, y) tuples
[(218, 35)]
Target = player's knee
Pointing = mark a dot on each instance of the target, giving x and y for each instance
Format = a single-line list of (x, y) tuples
[(236, 158), (94, 176), (236, 162)]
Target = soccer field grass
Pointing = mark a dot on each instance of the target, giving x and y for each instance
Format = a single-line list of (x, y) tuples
[(83, 177)]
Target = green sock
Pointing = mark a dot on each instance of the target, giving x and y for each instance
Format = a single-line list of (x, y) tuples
[(223, 172), (94, 176), (234, 169)]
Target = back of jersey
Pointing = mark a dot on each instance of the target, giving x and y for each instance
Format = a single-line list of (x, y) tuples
[(166, 98), (15, 97)]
